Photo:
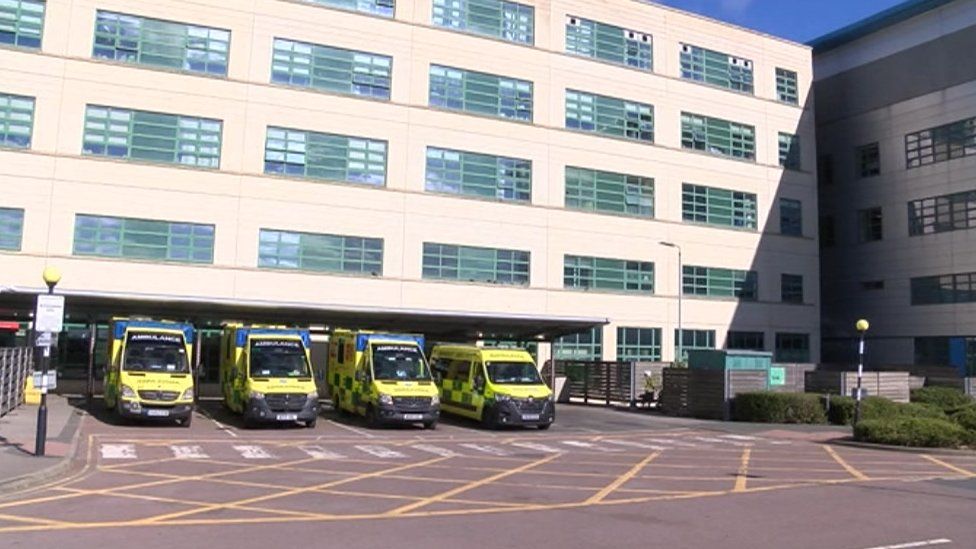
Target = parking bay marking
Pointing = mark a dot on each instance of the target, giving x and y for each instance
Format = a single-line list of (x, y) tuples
[(589, 446), (493, 450), (253, 452), (633, 444), (380, 452), (537, 447), (318, 452), (188, 452), (118, 451), (444, 452)]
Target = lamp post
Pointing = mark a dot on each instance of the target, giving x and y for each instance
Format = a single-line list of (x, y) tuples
[(681, 334), (51, 277), (862, 327)]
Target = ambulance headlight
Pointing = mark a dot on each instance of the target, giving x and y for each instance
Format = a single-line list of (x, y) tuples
[(501, 397), (127, 392), (385, 400), (313, 396), (435, 400), (187, 394), (256, 394)]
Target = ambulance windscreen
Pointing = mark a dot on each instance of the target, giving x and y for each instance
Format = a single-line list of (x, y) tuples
[(513, 373), (278, 358), (399, 363), (164, 353)]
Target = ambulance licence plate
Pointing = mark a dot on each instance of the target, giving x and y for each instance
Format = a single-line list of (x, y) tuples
[(413, 417), (530, 417), (287, 417), (157, 413)]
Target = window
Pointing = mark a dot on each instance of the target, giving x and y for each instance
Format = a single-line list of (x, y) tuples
[(746, 341), (718, 137), (791, 288), (497, 18), (787, 90), (602, 274), (957, 352), (609, 192), (869, 225), (941, 143), (16, 120), (716, 68), (609, 116), (828, 233), (792, 348), (609, 43), (151, 136), (325, 156), (720, 207), (790, 217), (144, 41), (715, 282), (825, 170), (872, 285), (331, 69), (868, 160), (943, 289), (143, 239), (468, 263), (482, 175), (480, 93), (21, 22), (693, 339), (375, 7), (320, 252), (583, 346), (941, 214), (789, 151), (635, 344), (11, 228)]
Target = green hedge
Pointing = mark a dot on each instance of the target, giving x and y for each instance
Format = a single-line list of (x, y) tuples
[(912, 431), (965, 417), (768, 407), (946, 399), (841, 410)]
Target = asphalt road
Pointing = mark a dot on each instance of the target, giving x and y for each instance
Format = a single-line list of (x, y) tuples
[(598, 478)]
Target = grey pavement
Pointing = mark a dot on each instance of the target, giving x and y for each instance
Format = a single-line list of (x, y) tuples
[(18, 464)]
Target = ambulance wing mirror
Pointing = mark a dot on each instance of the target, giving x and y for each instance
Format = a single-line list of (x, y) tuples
[(479, 383)]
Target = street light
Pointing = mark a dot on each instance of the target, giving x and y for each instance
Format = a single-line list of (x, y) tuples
[(51, 277), (862, 327), (681, 334)]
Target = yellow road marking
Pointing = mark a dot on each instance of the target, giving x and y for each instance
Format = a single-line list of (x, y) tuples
[(619, 481), (34, 520), (286, 493), (741, 477), (470, 486), (951, 467), (189, 502), (847, 466)]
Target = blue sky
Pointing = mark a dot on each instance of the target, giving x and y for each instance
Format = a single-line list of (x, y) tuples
[(799, 20)]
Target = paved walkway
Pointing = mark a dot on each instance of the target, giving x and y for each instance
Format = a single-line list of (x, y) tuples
[(18, 464)]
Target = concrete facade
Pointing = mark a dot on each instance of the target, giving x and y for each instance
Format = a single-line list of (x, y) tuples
[(52, 181), (907, 75)]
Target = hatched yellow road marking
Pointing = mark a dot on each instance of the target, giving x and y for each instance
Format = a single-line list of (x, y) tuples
[(741, 476), (843, 463), (949, 466), (470, 486), (619, 481)]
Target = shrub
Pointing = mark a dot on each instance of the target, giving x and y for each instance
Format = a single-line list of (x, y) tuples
[(911, 431), (768, 407), (965, 417), (947, 399), (841, 411)]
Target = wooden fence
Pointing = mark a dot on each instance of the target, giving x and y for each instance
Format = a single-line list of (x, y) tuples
[(892, 385), (707, 394), (16, 364)]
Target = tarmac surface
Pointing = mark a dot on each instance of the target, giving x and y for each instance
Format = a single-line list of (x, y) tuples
[(598, 478)]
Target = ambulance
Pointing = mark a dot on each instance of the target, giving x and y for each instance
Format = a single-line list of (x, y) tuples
[(149, 371), (494, 386), (383, 377), (266, 374)]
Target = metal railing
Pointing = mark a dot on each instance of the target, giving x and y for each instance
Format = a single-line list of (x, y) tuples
[(16, 364)]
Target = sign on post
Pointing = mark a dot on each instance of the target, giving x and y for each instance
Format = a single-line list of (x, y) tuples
[(45, 383), (777, 376), (49, 316)]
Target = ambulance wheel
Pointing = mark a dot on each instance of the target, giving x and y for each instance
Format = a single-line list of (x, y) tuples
[(187, 421), (119, 416), (544, 426), (372, 418), (488, 419), (311, 424), (432, 425)]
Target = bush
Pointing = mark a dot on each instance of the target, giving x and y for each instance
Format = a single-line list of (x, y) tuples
[(841, 411), (912, 431), (768, 407), (946, 399), (965, 417)]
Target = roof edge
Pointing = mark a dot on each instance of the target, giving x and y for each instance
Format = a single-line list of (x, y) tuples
[(874, 23)]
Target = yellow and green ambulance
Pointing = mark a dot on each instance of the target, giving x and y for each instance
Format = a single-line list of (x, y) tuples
[(494, 386), (383, 377), (266, 374), (149, 371)]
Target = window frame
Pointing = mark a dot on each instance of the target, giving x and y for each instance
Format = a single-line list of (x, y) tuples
[(587, 190), (9, 126), (609, 116), (516, 258), (702, 65), (697, 135), (283, 158), (344, 247), (705, 205), (465, 14), (370, 80), (462, 99), (141, 226), (518, 171), (12, 225), (588, 44), (599, 274)]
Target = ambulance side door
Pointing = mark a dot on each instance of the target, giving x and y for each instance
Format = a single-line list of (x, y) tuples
[(478, 384)]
